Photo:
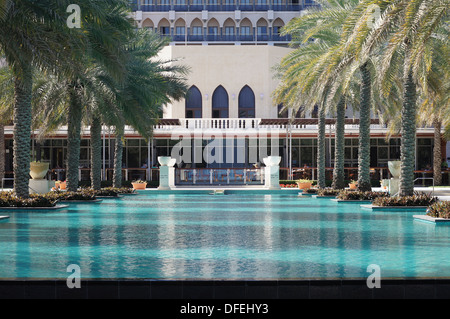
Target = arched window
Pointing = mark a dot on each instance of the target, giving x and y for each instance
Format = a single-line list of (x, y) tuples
[(193, 103), (220, 103), (246, 103)]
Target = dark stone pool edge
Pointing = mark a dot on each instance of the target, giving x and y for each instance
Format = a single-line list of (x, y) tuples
[(226, 289)]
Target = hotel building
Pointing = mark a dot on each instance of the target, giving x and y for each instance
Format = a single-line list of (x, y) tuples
[(231, 47)]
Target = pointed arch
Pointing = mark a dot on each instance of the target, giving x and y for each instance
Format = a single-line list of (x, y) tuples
[(220, 103), (148, 23), (246, 103), (193, 103), (164, 27)]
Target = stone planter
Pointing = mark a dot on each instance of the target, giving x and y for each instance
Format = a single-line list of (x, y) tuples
[(304, 185), (38, 170), (63, 185), (139, 185)]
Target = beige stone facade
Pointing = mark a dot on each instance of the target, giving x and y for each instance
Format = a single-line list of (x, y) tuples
[(233, 67)]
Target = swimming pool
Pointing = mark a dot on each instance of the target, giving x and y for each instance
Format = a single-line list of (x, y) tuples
[(246, 236)]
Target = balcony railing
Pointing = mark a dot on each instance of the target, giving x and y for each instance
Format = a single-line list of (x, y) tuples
[(218, 7), (231, 38), (231, 123), (251, 123)]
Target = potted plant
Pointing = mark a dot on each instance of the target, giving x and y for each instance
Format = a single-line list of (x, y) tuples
[(62, 185), (139, 184), (304, 183), (353, 184)]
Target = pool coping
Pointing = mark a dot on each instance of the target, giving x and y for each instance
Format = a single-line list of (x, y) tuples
[(415, 208), (350, 201), (325, 196), (4, 217), (432, 220), (81, 201), (33, 208)]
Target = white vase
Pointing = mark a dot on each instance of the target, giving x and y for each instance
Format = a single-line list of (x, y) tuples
[(395, 168), (38, 170)]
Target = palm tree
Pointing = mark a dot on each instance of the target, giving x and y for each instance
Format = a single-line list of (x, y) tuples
[(118, 152), (6, 110), (96, 152), (150, 84), (339, 151), (364, 130), (305, 75), (401, 36), (35, 34)]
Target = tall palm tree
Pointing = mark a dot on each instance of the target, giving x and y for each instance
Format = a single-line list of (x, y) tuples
[(305, 74), (402, 34), (96, 152), (151, 83), (118, 152), (6, 109), (364, 130), (35, 34), (339, 151)]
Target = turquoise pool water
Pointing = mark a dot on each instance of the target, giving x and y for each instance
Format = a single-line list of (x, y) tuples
[(230, 236)]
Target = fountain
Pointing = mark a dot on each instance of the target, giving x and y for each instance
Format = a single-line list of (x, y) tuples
[(394, 182), (166, 172), (272, 172)]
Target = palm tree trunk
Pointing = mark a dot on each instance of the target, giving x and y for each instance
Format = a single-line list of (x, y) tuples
[(74, 117), (437, 154), (2, 151), (118, 150), (364, 131), (96, 153), (339, 150), (321, 149), (22, 129), (408, 138)]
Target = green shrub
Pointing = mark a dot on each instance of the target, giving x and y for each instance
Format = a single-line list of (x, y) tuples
[(114, 191), (83, 194), (285, 182), (328, 192), (310, 191), (439, 210), (122, 190), (418, 199), (8, 199), (357, 195)]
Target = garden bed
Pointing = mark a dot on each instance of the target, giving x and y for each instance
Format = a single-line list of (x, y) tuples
[(416, 201), (10, 200), (357, 196)]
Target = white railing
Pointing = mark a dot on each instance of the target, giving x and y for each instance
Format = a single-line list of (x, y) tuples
[(230, 123)]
